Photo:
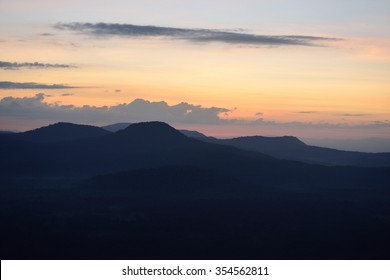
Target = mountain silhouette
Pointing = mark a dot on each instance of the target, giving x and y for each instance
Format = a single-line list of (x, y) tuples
[(119, 126), (140, 145), (154, 133), (152, 136), (148, 191), (59, 132), (268, 144), (7, 132), (193, 134), (291, 148), (151, 145), (116, 126)]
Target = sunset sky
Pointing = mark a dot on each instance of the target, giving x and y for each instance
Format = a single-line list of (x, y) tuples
[(226, 68)]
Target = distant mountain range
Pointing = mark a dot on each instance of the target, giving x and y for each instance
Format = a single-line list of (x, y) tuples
[(148, 191), (368, 145), (290, 148), (116, 126), (287, 147)]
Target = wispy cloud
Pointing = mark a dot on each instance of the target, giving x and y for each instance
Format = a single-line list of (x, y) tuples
[(67, 94), (353, 115), (190, 34), (33, 65), (46, 34), (30, 85)]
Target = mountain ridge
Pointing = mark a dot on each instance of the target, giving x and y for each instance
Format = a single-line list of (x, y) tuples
[(292, 148), (156, 135), (61, 131), (149, 192)]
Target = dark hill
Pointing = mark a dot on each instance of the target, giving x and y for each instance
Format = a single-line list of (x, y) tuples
[(120, 126), (59, 132), (146, 137), (151, 132), (7, 132), (291, 148), (267, 144)]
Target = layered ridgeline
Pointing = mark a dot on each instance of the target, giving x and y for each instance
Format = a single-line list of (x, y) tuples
[(147, 190), (288, 147), (140, 145), (291, 148), (81, 150)]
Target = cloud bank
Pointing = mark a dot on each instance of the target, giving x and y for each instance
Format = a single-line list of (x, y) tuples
[(36, 108), (190, 34), (138, 110), (32, 65), (30, 85)]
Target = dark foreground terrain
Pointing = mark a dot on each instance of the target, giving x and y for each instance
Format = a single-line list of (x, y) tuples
[(149, 192)]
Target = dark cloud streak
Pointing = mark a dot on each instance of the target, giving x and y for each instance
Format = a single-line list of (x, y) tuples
[(353, 115), (12, 85), (46, 34), (34, 65), (193, 35)]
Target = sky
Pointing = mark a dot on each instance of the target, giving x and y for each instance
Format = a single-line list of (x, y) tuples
[(314, 69)]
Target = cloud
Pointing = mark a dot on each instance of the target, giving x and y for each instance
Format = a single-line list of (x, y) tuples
[(259, 114), (353, 115), (67, 94), (12, 85), (46, 34), (118, 90), (306, 112), (190, 34), (32, 65), (35, 107)]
